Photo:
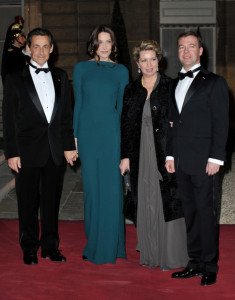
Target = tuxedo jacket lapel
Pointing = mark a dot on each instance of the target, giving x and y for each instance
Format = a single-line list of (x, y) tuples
[(193, 87), (57, 85), (34, 96), (32, 92), (173, 95)]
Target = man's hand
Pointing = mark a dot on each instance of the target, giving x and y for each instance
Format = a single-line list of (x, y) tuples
[(71, 156), (124, 165), (212, 168), (14, 163), (170, 166)]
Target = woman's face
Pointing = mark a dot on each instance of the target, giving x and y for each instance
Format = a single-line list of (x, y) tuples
[(148, 62), (105, 46)]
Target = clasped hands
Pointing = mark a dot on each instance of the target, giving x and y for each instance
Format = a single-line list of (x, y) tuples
[(71, 156)]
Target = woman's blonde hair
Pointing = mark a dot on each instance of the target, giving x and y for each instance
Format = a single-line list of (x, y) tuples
[(147, 45)]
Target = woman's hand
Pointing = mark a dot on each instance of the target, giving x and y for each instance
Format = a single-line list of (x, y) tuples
[(76, 143), (124, 165), (170, 166)]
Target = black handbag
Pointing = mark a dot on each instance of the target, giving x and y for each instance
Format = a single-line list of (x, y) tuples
[(127, 180)]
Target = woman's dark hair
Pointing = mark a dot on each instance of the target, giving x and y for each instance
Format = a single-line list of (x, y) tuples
[(189, 33), (93, 42), (41, 32)]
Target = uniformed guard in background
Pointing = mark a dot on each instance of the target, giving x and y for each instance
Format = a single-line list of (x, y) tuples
[(13, 59)]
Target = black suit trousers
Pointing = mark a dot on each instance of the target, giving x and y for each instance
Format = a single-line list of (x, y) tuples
[(39, 187), (199, 199)]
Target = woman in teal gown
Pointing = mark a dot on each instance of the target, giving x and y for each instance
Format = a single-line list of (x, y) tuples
[(99, 86)]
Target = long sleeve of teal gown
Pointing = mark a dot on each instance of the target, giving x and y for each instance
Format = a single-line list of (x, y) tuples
[(99, 92)]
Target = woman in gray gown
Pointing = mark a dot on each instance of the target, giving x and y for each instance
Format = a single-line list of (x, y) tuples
[(161, 229)]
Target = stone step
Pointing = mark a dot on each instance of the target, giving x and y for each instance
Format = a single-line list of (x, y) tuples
[(7, 179)]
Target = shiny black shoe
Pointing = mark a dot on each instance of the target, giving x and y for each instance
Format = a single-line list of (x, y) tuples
[(186, 273), (209, 278), (53, 255), (85, 258), (30, 258)]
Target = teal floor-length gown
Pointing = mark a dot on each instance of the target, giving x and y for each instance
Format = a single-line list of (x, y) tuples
[(99, 89)]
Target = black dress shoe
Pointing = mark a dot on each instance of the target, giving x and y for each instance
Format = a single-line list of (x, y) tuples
[(30, 258), (54, 255), (85, 258), (209, 278), (186, 273)]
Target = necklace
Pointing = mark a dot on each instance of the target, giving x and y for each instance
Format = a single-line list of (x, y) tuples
[(149, 89)]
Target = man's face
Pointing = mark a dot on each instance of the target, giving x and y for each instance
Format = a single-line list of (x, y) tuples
[(189, 52), (40, 49), (19, 41), (22, 40)]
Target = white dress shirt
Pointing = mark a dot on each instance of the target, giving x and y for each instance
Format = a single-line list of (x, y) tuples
[(183, 86), (45, 88), (180, 93)]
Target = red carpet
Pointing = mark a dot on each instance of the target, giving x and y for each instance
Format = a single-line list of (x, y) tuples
[(77, 279)]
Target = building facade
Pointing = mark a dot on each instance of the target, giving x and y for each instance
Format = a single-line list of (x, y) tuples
[(71, 22)]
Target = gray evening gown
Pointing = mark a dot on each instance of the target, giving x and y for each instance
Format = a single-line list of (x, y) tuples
[(161, 244)]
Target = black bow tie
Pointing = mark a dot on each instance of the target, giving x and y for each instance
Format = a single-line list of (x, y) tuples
[(46, 70), (188, 74)]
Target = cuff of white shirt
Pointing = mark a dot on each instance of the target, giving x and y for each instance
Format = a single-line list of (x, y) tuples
[(169, 158), (216, 161)]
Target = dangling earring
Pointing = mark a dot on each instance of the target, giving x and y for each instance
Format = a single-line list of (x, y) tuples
[(139, 70)]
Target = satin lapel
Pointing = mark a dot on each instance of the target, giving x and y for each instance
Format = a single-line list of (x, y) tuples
[(32, 92), (57, 85), (193, 87), (173, 94)]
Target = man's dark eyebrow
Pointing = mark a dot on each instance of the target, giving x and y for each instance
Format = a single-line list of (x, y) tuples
[(43, 45), (191, 44)]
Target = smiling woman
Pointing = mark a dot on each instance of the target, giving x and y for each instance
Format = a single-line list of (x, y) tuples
[(101, 44), (105, 46), (160, 226), (99, 86)]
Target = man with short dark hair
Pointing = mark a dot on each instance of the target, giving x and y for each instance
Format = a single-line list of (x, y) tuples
[(37, 126), (195, 151)]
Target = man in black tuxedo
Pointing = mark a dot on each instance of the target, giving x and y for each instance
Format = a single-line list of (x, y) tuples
[(38, 133), (196, 150)]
